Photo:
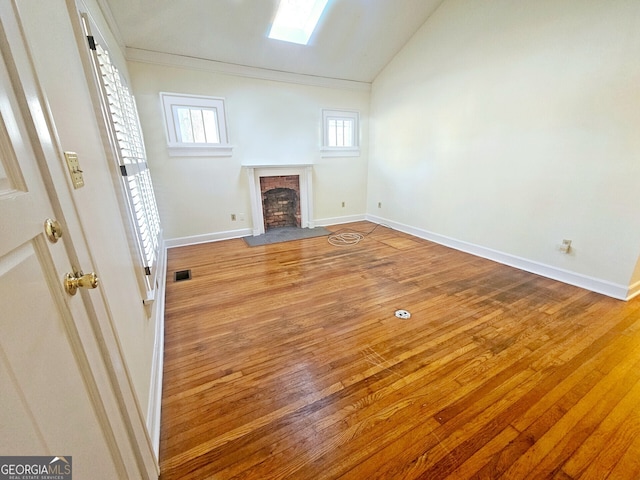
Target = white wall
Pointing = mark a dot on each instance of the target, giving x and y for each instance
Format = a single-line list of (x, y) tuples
[(60, 71), (513, 125), (268, 121)]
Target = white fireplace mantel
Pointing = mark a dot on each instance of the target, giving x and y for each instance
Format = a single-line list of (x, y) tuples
[(302, 170)]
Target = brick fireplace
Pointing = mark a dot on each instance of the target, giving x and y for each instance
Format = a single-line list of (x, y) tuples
[(280, 201), (280, 196)]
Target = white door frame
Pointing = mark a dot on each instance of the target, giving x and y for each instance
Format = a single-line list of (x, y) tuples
[(92, 332)]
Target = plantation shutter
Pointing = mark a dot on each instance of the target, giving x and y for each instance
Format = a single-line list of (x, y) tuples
[(123, 127)]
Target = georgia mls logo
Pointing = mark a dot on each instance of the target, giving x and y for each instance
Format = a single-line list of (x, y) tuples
[(60, 465), (35, 468)]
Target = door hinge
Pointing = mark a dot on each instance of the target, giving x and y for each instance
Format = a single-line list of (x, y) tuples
[(92, 42), (147, 270)]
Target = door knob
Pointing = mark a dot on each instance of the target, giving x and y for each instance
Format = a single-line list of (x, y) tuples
[(52, 230), (72, 282)]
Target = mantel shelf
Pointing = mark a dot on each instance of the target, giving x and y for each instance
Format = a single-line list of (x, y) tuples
[(279, 165)]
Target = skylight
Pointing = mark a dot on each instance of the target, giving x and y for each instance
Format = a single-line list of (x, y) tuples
[(296, 19)]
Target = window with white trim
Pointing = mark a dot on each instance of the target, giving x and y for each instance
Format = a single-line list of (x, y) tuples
[(195, 125), (125, 134), (340, 133)]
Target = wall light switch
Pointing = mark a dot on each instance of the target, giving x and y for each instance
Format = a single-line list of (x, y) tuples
[(74, 169)]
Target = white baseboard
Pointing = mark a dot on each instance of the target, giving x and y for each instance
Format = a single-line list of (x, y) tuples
[(157, 362), (620, 292), (208, 237), (325, 222), (634, 291)]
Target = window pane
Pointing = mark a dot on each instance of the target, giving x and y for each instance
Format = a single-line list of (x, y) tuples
[(184, 119), (348, 133), (340, 133), (198, 126), (195, 125), (332, 134), (210, 118)]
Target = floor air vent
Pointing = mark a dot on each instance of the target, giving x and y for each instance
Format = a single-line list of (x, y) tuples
[(181, 275)]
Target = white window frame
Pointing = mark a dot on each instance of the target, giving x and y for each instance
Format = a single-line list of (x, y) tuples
[(333, 151), (175, 146)]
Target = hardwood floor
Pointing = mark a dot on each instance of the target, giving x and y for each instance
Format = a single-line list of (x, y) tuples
[(287, 361)]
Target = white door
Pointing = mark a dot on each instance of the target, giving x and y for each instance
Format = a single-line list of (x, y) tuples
[(57, 396)]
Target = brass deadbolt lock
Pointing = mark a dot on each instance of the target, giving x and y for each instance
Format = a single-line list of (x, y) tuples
[(52, 230)]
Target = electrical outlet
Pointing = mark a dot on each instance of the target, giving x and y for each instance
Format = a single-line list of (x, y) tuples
[(379, 204), (233, 217), (566, 246), (343, 203)]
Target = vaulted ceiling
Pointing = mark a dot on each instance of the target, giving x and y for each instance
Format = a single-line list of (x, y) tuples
[(354, 40)]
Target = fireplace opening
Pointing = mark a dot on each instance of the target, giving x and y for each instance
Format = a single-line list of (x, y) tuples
[(281, 201), (281, 208)]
